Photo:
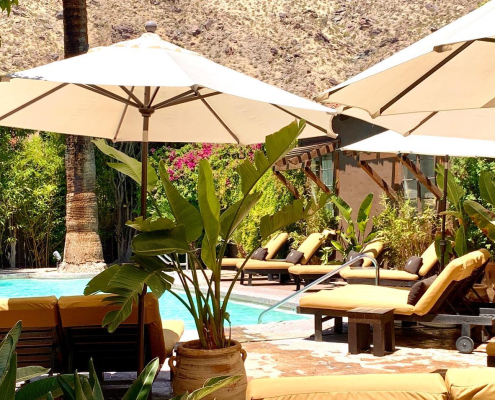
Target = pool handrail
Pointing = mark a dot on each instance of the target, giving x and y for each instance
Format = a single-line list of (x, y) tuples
[(323, 278)]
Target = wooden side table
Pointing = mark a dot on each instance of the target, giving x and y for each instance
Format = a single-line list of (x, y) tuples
[(360, 321)]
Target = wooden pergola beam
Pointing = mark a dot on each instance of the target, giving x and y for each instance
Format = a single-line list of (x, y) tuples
[(287, 184), (311, 175), (420, 176), (378, 180), (298, 157)]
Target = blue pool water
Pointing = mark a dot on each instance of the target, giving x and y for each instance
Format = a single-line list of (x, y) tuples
[(170, 307)]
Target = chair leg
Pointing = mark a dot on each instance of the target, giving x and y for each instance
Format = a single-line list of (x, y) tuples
[(297, 280), (318, 328), (337, 325), (379, 340), (250, 280), (390, 336), (242, 278)]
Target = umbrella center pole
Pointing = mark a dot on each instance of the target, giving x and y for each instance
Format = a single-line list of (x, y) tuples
[(146, 112), (443, 242)]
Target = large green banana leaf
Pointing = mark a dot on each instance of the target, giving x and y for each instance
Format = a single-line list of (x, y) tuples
[(487, 187), (209, 387), (343, 207), (157, 243), (483, 218), (455, 192), (184, 212), (151, 224), (127, 165), (142, 385), (364, 213)]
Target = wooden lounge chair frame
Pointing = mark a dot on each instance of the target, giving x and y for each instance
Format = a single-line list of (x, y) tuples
[(468, 315), (39, 346)]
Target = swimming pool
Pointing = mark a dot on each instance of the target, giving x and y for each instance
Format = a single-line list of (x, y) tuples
[(170, 307)]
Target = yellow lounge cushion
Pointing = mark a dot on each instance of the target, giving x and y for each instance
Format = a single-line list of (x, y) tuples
[(471, 383), (34, 312), (311, 245), (369, 273), (231, 262), (275, 243), (490, 349), (372, 249), (430, 258), (172, 332), (458, 269), (352, 296), (262, 265), (78, 311), (312, 269), (350, 387)]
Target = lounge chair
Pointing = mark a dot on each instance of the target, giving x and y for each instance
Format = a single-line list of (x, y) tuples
[(309, 247), (459, 384), (308, 273), (452, 284), (273, 247), (40, 340), (392, 277), (81, 318)]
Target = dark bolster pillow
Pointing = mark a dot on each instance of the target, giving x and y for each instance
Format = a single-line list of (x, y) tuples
[(413, 265), (294, 257), (352, 255), (260, 254), (419, 289)]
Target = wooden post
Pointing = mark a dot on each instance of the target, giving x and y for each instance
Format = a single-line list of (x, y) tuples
[(418, 184)]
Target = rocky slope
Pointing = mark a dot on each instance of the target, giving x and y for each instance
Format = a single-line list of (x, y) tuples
[(304, 46)]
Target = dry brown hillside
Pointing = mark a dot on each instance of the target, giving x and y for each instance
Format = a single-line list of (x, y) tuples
[(303, 46)]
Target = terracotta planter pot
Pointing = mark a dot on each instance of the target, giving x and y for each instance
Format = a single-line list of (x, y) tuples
[(193, 366)]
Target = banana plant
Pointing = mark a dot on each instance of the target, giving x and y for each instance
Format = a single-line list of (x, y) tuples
[(202, 234), (482, 217), (353, 238), (455, 195)]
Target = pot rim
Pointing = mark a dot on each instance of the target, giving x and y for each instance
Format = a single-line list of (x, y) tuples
[(184, 350)]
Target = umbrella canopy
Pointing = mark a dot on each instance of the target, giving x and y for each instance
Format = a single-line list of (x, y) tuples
[(393, 142), (192, 99), (439, 86)]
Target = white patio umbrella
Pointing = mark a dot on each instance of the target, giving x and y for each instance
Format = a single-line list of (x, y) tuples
[(443, 85), (149, 90)]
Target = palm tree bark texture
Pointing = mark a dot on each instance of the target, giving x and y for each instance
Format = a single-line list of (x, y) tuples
[(83, 250)]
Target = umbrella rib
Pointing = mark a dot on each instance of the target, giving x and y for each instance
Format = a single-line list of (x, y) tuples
[(423, 78), (33, 101), (165, 102), (153, 96), (106, 93), (187, 99), (132, 95), (424, 121), (121, 120), (207, 105), (298, 117)]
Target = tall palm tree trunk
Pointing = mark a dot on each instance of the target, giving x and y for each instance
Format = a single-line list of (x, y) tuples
[(83, 250)]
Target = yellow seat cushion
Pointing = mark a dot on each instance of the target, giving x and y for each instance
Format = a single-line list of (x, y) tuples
[(172, 332), (471, 383), (311, 245), (456, 270), (312, 269), (490, 349), (78, 311), (34, 312), (231, 262), (350, 387), (369, 273), (352, 296), (273, 246), (261, 265)]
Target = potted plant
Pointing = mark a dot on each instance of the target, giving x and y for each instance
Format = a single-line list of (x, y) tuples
[(202, 234)]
